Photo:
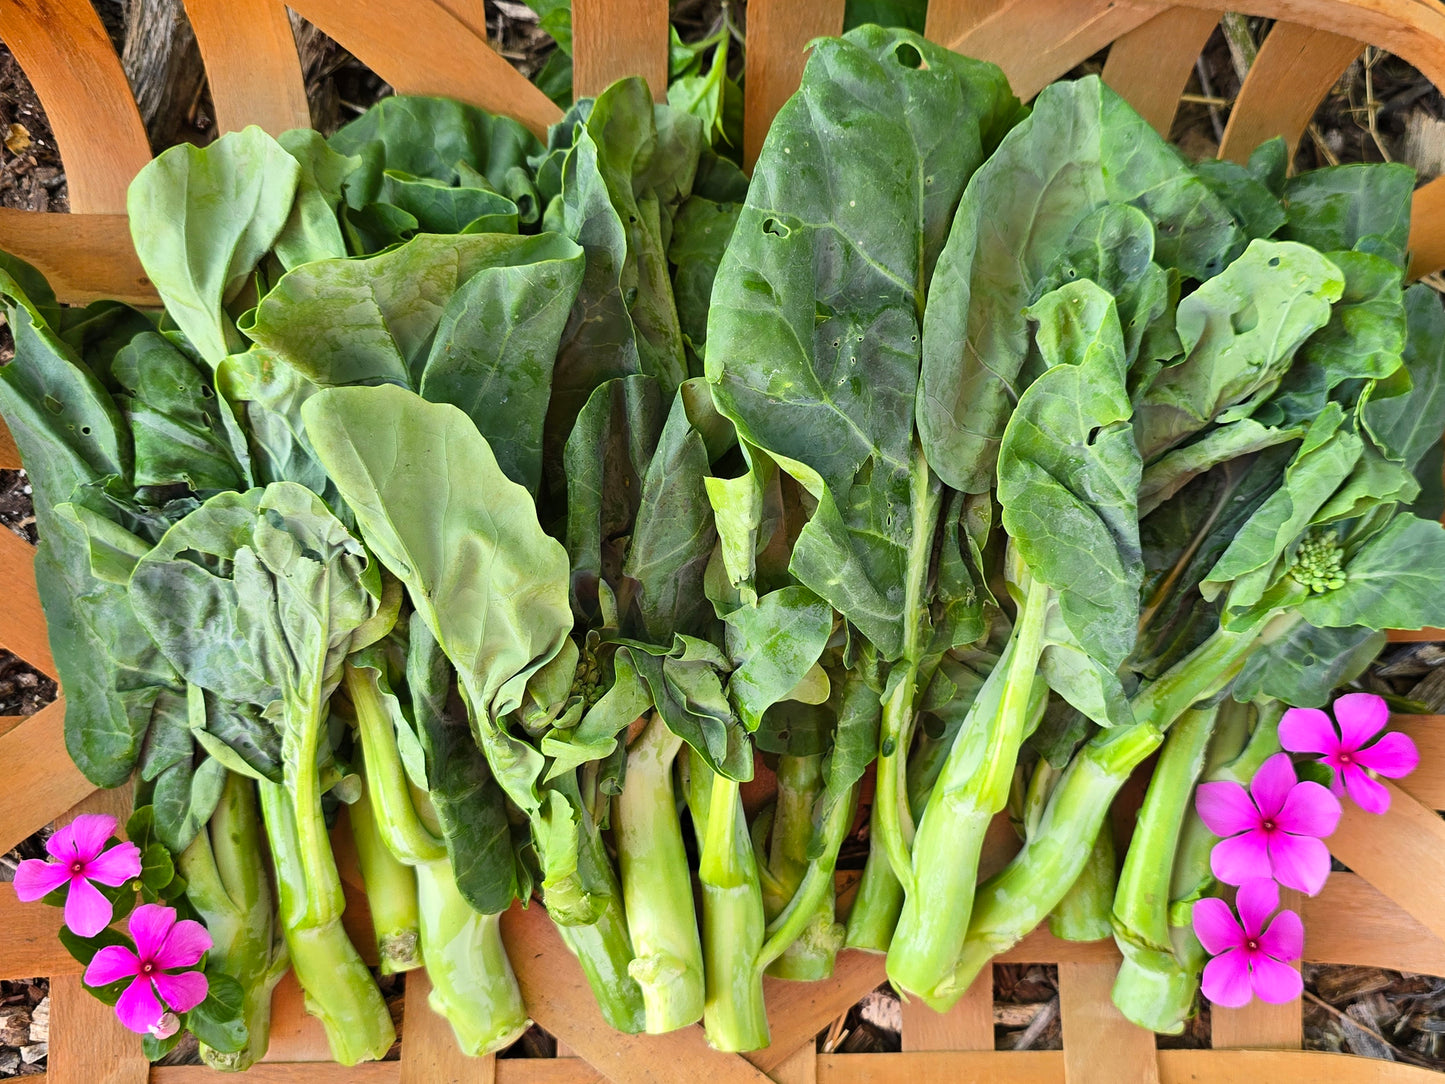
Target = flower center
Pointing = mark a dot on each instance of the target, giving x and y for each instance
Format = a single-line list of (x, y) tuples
[(1346, 758), (1268, 826), (77, 866), (147, 967), (1251, 944)]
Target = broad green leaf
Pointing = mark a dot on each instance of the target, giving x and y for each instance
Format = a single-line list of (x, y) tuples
[(605, 462), (1177, 467), (438, 512), (344, 322), (1323, 461), (1407, 425), (773, 645), (181, 431), (495, 344), (220, 1020), (441, 208), (673, 534), (700, 235), (267, 393), (468, 801), (1257, 209), (1336, 208), (1069, 472), (280, 585), (312, 230), (1393, 582), (1305, 667), (1240, 331), (1082, 146), (202, 218), (441, 139)]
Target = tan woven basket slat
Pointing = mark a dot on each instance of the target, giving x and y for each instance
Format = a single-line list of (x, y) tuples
[(1151, 64), (22, 622), (775, 57), (1295, 68), (64, 50), (967, 1026), (1100, 1045), (613, 39), (251, 64)]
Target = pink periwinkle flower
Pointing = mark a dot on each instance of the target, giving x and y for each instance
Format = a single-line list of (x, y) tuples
[(79, 859), (163, 946), (1273, 829), (1360, 717), (1249, 958)]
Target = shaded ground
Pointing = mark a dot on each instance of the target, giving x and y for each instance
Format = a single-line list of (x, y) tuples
[(1381, 110)]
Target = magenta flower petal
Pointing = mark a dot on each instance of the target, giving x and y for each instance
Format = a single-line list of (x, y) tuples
[(1369, 795), (1393, 756), (1216, 926), (1271, 784), (1361, 716), (1226, 979), (187, 942), (1241, 858), (110, 964), (116, 866), (150, 925), (1301, 862), (1275, 982), (1310, 810), (182, 992), (89, 831), (1256, 900), (1285, 938), (1308, 730), (35, 879), (87, 912), (61, 844), (1225, 808), (138, 1008)]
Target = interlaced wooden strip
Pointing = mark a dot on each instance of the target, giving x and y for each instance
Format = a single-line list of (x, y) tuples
[(1101, 1046), (1260, 1025), (1295, 68), (422, 48), (1151, 64), (778, 33), (372, 1072), (1036, 41), (949, 20), (430, 1053), (22, 622), (69, 60), (85, 257), (1426, 784), (87, 1041), (1427, 232), (966, 1026), (1402, 853), (9, 454), (52, 782), (612, 39), (251, 64)]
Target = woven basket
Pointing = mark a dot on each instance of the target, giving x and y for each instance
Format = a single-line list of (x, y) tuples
[(1388, 913)]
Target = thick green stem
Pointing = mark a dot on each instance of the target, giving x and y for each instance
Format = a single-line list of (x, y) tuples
[(1015, 900), (227, 883), (973, 786), (735, 1018), (815, 945), (810, 913), (1083, 913), (894, 823), (1152, 990), (604, 948), (1174, 979), (390, 892), (471, 978), (656, 885), (340, 991), (879, 899)]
